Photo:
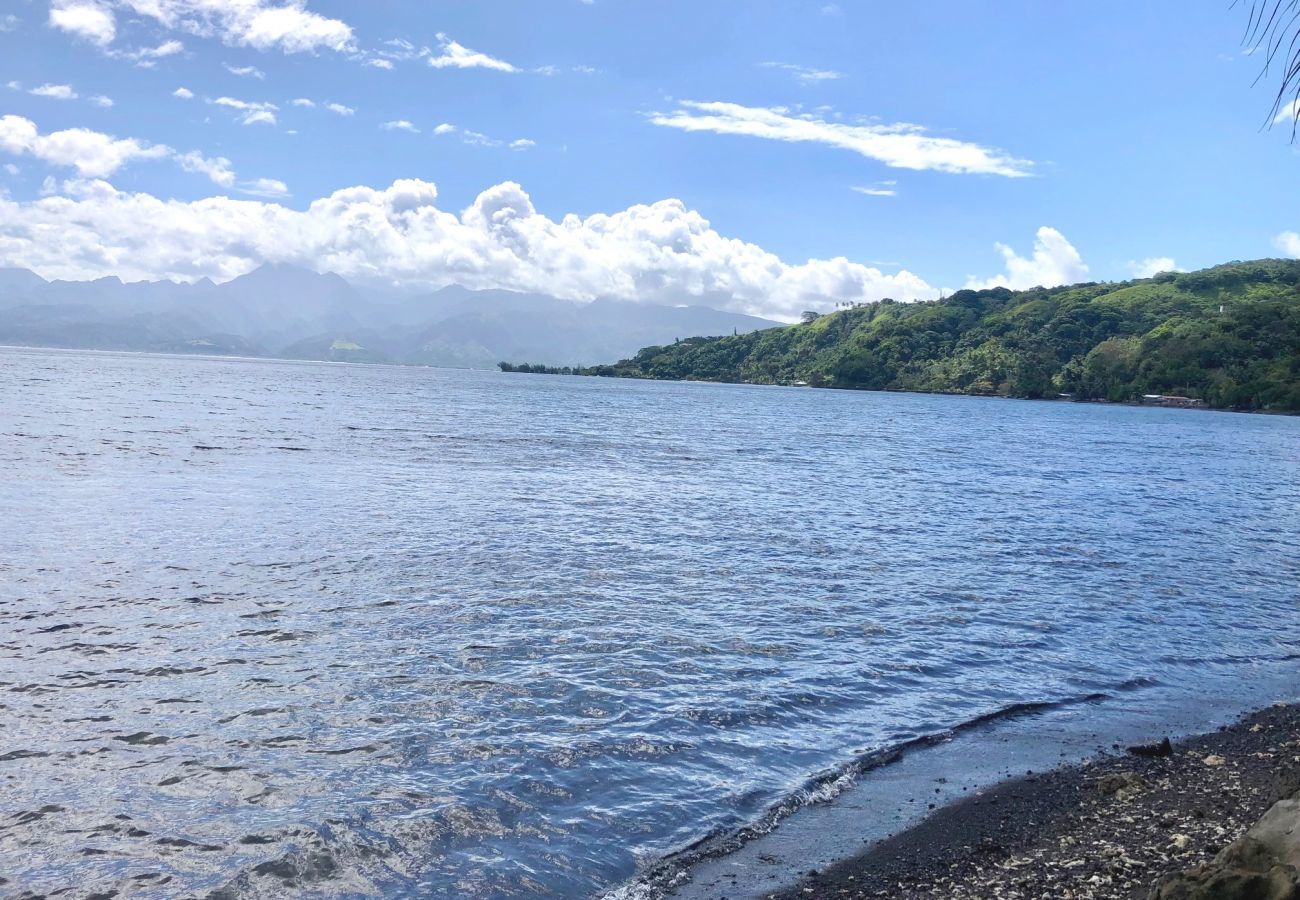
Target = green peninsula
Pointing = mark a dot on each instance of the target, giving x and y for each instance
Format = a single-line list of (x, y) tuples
[(1228, 337)]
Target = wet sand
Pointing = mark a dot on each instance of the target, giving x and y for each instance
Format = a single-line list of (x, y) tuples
[(1112, 827)]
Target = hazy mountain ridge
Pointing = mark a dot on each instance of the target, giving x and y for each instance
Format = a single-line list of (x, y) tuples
[(286, 311)]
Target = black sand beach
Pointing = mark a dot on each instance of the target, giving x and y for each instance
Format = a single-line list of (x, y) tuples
[(1113, 827)]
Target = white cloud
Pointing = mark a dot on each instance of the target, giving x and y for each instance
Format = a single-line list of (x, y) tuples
[(147, 57), (245, 71), (261, 24), (88, 19), (265, 187), (95, 156), (457, 57), (900, 146), (249, 113), (91, 153), (304, 102), (1152, 266), (340, 109), (379, 63), (1055, 262), (12, 169), (1289, 113), (183, 93), (8, 23), (662, 252), (1289, 243), (400, 125), (56, 91), (804, 74), (479, 139), (101, 101), (218, 169), (877, 191)]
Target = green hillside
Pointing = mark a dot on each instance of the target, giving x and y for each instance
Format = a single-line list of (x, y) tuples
[(1229, 335)]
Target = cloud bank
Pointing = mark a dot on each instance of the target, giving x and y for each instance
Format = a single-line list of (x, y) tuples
[(661, 252)]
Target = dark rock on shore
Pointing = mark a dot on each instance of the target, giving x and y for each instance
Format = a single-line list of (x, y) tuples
[(1260, 865), (1120, 826), (1164, 748)]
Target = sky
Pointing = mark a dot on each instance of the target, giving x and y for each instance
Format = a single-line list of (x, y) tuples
[(766, 156)]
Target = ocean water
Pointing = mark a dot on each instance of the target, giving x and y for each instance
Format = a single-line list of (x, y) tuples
[(271, 628)]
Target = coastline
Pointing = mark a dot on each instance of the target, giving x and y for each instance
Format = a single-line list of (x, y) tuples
[(1111, 826)]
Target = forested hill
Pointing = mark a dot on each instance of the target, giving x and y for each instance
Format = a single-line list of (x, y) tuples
[(1229, 335)]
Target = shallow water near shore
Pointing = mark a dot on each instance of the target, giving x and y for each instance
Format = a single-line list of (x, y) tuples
[(347, 630)]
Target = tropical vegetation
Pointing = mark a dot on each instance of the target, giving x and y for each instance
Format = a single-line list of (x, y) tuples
[(1228, 336)]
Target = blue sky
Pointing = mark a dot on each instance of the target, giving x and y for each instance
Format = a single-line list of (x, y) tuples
[(904, 138)]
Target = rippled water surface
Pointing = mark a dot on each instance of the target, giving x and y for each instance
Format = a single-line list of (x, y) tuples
[(272, 627)]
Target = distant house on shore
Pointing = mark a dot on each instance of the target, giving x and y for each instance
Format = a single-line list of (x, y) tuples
[(1170, 400)]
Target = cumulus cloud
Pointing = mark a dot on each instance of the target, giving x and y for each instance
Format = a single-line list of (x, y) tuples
[(147, 57), (91, 153), (1055, 262), (340, 109), (661, 252), (289, 26), (248, 112), (1289, 113), (804, 74), (455, 56), (218, 169), (900, 146), (265, 187), (183, 93), (56, 91), (102, 101), (400, 125), (245, 71), (1152, 266), (1289, 243), (87, 19), (95, 155), (8, 23)]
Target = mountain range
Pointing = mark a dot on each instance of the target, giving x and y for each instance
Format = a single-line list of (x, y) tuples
[(289, 312)]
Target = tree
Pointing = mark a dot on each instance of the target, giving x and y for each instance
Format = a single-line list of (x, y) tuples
[(1274, 30), (809, 316)]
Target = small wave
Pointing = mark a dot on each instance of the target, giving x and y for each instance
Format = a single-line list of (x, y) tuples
[(826, 786)]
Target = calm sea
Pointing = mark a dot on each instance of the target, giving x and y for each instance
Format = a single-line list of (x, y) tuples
[(271, 627)]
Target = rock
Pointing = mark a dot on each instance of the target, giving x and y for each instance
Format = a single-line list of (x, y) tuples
[(1214, 760), (1121, 784), (1164, 748), (1261, 865)]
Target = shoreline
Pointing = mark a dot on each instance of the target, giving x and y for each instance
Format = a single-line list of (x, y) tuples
[(1113, 826), (901, 820), (399, 365)]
